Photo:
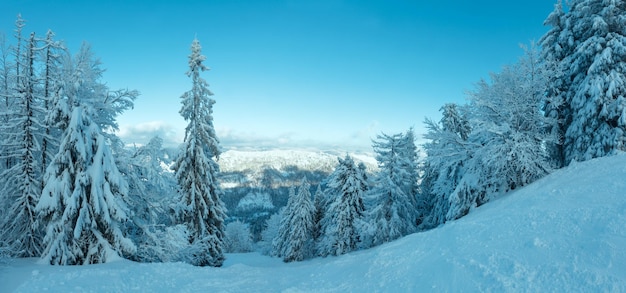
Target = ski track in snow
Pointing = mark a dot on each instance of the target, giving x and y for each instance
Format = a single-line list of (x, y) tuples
[(564, 233)]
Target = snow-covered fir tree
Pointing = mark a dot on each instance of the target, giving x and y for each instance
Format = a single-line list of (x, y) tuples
[(595, 67), (446, 151), (238, 238), (52, 51), (294, 241), (509, 135), (196, 170), (7, 91), (342, 228), (22, 181), (272, 225), (320, 205), (5, 114), (410, 164), (146, 168), (147, 180), (12, 77), (5, 81), (393, 212), (149, 196), (452, 120), (556, 45), (19, 26), (81, 203), (280, 240), (509, 123)]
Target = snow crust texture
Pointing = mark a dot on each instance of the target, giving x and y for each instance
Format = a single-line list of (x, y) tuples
[(563, 233)]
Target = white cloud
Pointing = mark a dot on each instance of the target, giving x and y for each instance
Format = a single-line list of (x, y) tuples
[(142, 133)]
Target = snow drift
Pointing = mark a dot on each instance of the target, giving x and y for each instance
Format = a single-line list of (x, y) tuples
[(565, 233)]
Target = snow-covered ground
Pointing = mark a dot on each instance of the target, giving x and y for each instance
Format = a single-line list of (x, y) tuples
[(564, 233)]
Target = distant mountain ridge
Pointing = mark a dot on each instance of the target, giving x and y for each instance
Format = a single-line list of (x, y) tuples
[(306, 160)]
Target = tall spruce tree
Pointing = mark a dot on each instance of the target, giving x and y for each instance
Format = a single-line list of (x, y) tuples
[(22, 182), (294, 241), (452, 120), (557, 44), (393, 213), (13, 78), (409, 163), (595, 71), (6, 92), (446, 151), (5, 67), (343, 228), (51, 91), (196, 171), (319, 203)]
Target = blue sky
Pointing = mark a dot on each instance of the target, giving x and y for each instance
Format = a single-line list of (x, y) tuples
[(287, 73)]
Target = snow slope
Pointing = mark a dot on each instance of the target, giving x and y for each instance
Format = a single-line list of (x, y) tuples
[(564, 233)]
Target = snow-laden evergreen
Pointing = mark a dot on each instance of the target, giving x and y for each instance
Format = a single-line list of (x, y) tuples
[(81, 204), (294, 241), (5, 96), (446, 151), (342, 221), (557, 44), (196, 171), (320, 204), (10, 63), (6, 82), (393, 212), (21, 183), (269, 233), (410, 164), (238, 238), (592, 34), (503, 147), (509, 125), (508, 138), (150, 197), (453, 120), (149, 182), (51, 91)]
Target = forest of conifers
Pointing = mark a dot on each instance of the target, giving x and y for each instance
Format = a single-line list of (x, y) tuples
[(72, 192)]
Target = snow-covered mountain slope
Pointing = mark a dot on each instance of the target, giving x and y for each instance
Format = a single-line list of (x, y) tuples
[(256, 168), (564, 233), (256, 160)]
